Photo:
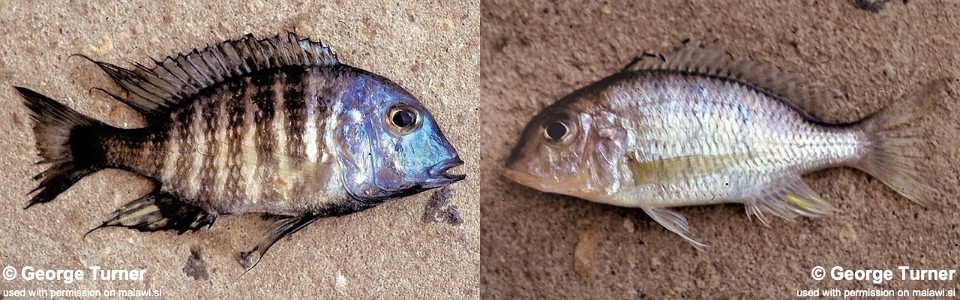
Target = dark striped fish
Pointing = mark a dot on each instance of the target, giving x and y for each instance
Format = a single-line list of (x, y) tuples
[(275, 126)]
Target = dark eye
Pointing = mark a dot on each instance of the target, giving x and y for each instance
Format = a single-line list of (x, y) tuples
[(556, 130), (403, 117)]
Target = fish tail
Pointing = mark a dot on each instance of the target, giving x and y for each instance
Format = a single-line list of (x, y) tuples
[(893, 148), (65, 139)]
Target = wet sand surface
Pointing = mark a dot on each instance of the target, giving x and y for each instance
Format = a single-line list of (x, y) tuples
[(387, 251), (536, 245)]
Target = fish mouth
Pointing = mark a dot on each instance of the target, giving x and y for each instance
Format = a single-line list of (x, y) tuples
[(532, 181), (439, 176), (522, 178)]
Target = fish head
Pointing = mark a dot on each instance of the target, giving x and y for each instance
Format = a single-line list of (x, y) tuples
[(569, 148), (401, 150)]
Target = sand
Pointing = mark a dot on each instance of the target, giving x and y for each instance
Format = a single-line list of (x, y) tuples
[(385, 252), (531, 244), (542, 246)]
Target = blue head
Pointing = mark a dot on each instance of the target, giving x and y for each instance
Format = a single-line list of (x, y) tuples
[(390, 144)]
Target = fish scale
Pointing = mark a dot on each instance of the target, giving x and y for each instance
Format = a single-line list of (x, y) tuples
[(217, 122), (819, 146), (695, 127), (234, 110), (700, 100), (273, 126)]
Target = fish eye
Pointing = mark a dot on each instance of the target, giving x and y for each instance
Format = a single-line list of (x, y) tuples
[(556, 130), (403, 118)]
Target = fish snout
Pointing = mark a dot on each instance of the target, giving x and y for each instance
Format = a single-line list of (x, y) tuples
[(521, 177)]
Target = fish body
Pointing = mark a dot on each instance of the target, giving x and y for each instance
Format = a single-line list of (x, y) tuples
[(725, 140), (275, 126), (696, 128), (271, 143)]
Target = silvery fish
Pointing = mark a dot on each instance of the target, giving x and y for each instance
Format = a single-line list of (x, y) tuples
[(696, 127), (275, 126)]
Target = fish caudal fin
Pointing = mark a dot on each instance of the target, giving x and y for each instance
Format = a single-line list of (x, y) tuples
[(892, 151), (66, 139)]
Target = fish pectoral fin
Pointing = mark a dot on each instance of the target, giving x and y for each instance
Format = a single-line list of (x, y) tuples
[(787, 198), (683, 167), (159, 211), (674, 222), (278, 230)]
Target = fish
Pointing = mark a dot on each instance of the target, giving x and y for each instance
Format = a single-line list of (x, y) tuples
[(696, 126), (274, 126)]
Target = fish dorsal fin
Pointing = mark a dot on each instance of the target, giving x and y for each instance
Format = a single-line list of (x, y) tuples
[(155, 91), (805, 95)]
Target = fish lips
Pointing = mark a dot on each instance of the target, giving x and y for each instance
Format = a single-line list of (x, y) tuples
[(540, 183), (439, 176), (523, 178)]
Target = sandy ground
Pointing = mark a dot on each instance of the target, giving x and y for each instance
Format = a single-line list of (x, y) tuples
[(385, 252), (536, 245)]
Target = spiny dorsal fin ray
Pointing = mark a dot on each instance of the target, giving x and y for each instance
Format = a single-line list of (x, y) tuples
[(154, 91), (805, 95)]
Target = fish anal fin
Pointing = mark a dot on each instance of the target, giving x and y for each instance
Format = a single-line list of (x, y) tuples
[(159, 211), (683, 167), (807, 96), (674, 222), (788, 198), (153, 91)]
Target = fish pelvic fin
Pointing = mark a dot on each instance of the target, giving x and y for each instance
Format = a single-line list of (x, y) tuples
[(788, 198), (279, 229), (675, 222), (893, 149), (159, 211), (67, 140)]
